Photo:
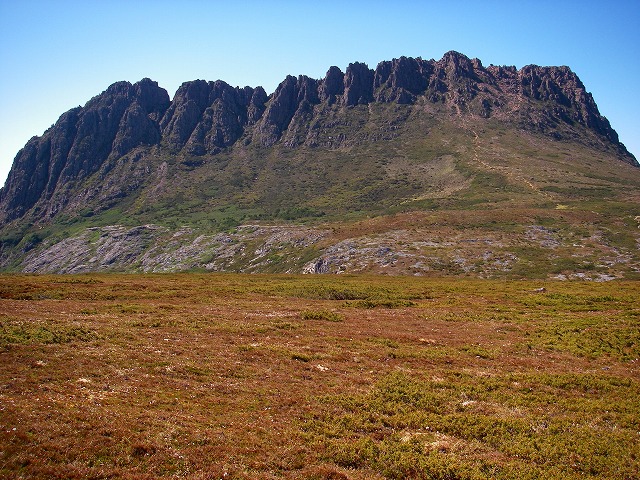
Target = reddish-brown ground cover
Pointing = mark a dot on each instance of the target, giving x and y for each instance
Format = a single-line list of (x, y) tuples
[(227, 376)]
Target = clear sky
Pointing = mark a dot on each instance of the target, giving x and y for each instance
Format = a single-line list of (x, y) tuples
[(57, 54)]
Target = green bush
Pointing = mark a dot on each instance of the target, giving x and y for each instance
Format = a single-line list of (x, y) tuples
[(321, 315)]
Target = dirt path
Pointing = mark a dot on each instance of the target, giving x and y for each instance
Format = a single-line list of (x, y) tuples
[(509, 173)]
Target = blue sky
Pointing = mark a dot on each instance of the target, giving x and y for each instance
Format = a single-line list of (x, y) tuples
[(57, 54)]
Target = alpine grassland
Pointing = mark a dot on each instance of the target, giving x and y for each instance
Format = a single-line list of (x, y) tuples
[(229, 376)]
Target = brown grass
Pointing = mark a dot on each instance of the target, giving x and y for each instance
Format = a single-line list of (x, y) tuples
[(227, 376)]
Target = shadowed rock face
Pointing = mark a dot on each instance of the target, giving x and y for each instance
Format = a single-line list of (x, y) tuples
[(358, 84), (401, 80), (290, 96), (332, 86), (109, 125), (206, 117)]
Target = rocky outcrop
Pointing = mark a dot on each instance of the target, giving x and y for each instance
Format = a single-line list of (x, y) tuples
[(139, 123), (293, 98), (284, 103), (401, 80), (206, 117), (152, 248), (188, 104), (358, 84), (112, 123), (109, 125), (485, 253), (332, 86)]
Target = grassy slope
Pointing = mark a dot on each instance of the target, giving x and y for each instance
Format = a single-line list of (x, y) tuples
[(470, 173), (261, 377)]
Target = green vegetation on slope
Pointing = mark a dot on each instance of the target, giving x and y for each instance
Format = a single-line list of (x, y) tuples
[(379, 162)]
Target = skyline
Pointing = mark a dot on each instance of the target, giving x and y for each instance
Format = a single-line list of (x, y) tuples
[(58, 55)]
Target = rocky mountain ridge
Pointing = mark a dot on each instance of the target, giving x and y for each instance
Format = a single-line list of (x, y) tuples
[(417, 167), (207, 117)]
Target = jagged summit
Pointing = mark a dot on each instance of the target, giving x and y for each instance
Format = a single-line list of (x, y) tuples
[(108, 126), (206, 117)]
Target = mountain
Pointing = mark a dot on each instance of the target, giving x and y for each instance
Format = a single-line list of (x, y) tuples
[(419, 166)]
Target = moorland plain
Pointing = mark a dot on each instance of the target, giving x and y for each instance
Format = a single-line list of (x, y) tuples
[(321, 377)]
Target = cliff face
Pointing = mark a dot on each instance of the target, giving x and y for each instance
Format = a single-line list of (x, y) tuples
[(205, 118), (108, 126)]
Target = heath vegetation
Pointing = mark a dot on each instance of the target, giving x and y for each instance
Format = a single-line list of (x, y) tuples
[(351, 377)]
